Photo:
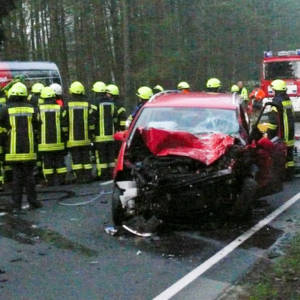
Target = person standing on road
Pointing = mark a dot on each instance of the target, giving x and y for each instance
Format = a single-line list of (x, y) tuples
[(144, 93), (19, 121), (34, 97), (213, 85), (285, 111), (105, 128), (51, 137), (243, 94), (184, 87), (81, 126), (58, 93)]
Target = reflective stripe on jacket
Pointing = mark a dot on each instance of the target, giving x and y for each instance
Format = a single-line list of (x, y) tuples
[(51, 136)]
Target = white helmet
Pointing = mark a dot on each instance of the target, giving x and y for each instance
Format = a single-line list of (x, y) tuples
[(56, 88)]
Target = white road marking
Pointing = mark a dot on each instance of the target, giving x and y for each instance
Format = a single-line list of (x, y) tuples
[(198, 271), (106, 182)]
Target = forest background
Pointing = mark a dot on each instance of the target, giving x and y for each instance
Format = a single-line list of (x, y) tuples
[(149, 42)]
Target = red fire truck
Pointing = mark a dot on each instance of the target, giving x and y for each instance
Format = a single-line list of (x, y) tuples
[(282, 65)]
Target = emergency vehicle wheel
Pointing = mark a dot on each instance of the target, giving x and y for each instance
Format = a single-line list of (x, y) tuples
[(118, 212)]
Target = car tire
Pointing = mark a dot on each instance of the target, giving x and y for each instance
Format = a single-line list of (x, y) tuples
[(246, 198), (118, 212)]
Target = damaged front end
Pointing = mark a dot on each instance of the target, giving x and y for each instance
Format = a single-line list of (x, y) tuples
[(178, 175)]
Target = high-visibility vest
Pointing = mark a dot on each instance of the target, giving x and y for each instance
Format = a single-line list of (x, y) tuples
[(105, 129), (21, 144), (78, 123), (51, 138)]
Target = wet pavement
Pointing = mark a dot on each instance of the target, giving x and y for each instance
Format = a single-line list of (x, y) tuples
[(62, 250)]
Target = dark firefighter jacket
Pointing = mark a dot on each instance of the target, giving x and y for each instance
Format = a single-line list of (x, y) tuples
[(18, 121), (106, 116), (53, 126), (286, 118), (34, 99), (80, 120), (120, 120), (2, 98)]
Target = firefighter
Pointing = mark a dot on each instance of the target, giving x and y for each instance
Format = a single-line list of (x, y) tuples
[(58, 93), (243, 94), (112, 92), (2, 98), (213, 85), (286, 118), (99, 89), (184, 87), (105, 128), (81, 125), (256, 101), (144, 93), (51, 137), (157, 89), (19, 121), (234, 89), (35, 94)]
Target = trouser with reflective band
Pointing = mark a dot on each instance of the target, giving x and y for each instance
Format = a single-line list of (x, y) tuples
[(23, 178), (81, 162), (54, 163), (290, 163), (105, 158), (1, 173)]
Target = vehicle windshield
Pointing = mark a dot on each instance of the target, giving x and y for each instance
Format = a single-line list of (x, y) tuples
[(45, 76), (194, 120), (282, 70)]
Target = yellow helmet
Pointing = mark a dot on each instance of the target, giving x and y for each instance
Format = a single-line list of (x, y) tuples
[(99, 87), (18, 89), (213, 83), (183, 85), (37, 88), (144, 93), (47, 92), (112, 89), (158, 88), (278, 85), (77, 88), (235, 89)]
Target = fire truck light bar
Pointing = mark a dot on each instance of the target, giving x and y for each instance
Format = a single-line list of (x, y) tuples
[(282, 53)]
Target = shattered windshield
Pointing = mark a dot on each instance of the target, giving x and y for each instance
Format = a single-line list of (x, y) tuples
[(194, 120), (282, 70)]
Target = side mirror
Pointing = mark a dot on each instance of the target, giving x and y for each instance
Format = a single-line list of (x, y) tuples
[(121, 135)]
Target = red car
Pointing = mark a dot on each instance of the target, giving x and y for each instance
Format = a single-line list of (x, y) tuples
[(190, 154)]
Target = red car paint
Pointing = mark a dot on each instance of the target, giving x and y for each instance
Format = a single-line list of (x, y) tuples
[(205, 148)]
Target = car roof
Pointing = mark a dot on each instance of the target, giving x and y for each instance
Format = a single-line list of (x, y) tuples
[(194, 99)]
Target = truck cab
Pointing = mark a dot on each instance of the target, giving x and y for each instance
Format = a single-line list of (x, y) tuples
[(283, 65)]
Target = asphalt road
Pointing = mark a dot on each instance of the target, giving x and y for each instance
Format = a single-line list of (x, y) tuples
[(63, 252)]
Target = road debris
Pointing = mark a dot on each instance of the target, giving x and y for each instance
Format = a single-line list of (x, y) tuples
[(111, 230)]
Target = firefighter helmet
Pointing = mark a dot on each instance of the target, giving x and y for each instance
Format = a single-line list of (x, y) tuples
[(99, 87), (144, 93), (183, 85), (278, 85), (235, 89), (37, 88), (77, 88), (47, 92), (213, 83), (18, 89), (56, 88), (158, 88), (112, 89)]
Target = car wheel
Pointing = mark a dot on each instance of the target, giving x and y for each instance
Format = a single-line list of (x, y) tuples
[(118, 212), (246, 198)]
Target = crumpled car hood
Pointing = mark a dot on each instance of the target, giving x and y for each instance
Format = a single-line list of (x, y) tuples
[(206, 148)]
